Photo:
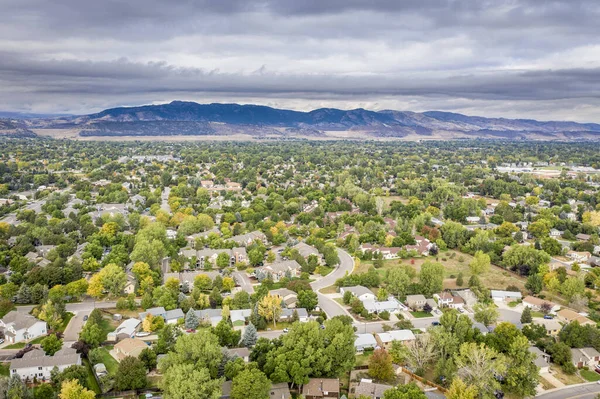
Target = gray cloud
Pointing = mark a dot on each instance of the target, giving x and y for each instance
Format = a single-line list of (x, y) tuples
[(524, 58)]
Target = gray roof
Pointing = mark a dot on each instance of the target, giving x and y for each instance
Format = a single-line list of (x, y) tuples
[(280, 391), (289, 312), (359, 290), (282, 267), (305, 250), (174, 314), (36, 357), (190, 275), (371, 389), (19, 320)]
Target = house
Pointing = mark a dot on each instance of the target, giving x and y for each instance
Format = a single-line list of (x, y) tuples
[(19, 326), (373, 306), (555, 233), (35, 363), (242, 353), (582, 357), (542, 359), (212, 316), (318, 388), (306, 250), (537, 304), (288, 315), (583, 237), (552, 326), (128, 347), (370, 389), (362, 293), (238, 317), (126, 329), (288, 297), (279, 270), (468, 296), (280, 391), (416, 302), (473, 219), (568, 316), (505, 296), (385, 339), (44, 250), (576, 256), (444, 299), (130, 284), (246, 239), (187, 277), (364, 341)]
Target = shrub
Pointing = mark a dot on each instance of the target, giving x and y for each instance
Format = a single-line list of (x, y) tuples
[(461, 259), (385, 315)]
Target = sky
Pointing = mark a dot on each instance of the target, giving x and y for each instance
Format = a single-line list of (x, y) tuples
[(536, 59)]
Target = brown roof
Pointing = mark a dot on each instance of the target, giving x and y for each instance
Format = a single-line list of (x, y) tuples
[(571, 315), (316, 386), (130, 347), (536, 301)]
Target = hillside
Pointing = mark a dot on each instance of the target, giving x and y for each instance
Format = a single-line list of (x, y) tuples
[(189, 118)]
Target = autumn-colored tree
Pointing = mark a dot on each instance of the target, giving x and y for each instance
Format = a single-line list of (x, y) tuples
[(380, 365), (270, 308), (71, 389)]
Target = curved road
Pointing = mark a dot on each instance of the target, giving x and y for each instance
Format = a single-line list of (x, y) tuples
[(328, 305), (581, 391)]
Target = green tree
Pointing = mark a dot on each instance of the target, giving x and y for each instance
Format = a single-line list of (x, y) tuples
[(222, 260), (184, 381), (526, 315), (250, 384), (534, 284), (480, 263), (250, 336), (191, 319), (308, 300), (431, 277), (486, 314), (148, 358), (459, 390), (51, 344), (408, 391), (131, 374), (201, 348), (397, 281), (478, 366)]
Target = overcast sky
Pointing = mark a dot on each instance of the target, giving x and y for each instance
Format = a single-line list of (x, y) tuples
[(530, 58)]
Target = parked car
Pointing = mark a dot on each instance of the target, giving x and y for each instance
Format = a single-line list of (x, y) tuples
[(85, 318), (285, 330), (435, 323), (1, 341), (548, 317), (190, 330)]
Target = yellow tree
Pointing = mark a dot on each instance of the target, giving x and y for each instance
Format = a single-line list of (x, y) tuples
[(71, 389), (95, 287), (460, 390), (270, 308), (147, 324), (228, 284)]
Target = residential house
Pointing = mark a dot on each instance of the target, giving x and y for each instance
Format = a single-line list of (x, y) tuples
[(370, 389), (238, 316), (552, 326), (212, 316), (318, 388), (128, 347), (362, 293), (446, 299), (246, 239), (288, 315), (542, 359), (364, 341), (473, 219), (288, 297), (280, 391), (170, 316), (44, 250), (537, 304), (505, 296), (35, 363), (242, 353), (187, 277), (20, 326), (279, 270), (391, 305), (582, 357), (554, 233), (416, 302), (568, 316), (130, 284), (126, 329), (306, 250), (583, 237), (385, 339), (582, 256)]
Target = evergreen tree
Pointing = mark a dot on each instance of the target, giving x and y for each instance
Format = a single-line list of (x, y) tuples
[(191, 319), (526, 316), (250, 336)]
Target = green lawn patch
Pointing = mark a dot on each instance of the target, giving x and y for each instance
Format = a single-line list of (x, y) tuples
[(91, 380), (5, 369), (325, 270), (18, 345), (421, 314), (537, 314), (362, 359), (110, 362), (589, 375)]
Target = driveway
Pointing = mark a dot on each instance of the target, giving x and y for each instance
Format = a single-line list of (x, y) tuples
[(75, 326)]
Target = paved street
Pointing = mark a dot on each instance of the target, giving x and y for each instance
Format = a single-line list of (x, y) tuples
[(244, 281), (328, 305), (77, 307), (584, 391), (164, 205)]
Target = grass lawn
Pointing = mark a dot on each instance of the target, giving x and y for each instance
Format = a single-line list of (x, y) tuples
[(419, 315), (362, 359), (566, 378), (18, 345), (154, 381), (4, 369), (91, 380), (545, 384), (589, 375), (108, 325), (111, 364), (65, 323), (537, 314), (325, 270), (332, 289)]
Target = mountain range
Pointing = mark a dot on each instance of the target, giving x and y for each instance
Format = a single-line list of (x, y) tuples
[(193, 119)]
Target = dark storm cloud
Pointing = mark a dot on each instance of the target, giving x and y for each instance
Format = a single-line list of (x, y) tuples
[(74, 55)]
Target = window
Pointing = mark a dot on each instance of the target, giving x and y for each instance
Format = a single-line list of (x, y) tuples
[(39, 368), (41, 374)]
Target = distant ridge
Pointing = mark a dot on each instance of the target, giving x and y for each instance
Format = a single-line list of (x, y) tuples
[(190, 118)]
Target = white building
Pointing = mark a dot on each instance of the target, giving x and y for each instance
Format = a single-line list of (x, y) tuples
[(364, 341), (18, 326), (507, 296), (362, 293), (36, 364)]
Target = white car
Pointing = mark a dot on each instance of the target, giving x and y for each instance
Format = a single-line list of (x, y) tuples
[(142, 334)]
